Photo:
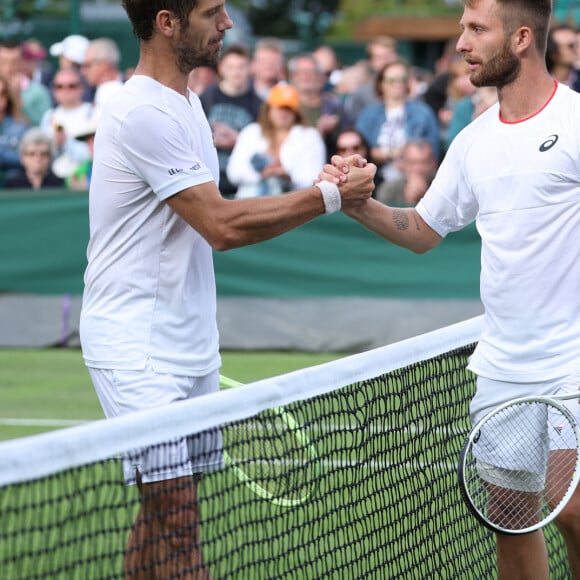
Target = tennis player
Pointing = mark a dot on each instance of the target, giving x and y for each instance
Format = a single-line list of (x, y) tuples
[(515, 170), (148, 321)]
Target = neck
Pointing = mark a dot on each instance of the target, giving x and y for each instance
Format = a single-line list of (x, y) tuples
[(522, 100), (159, 64), (233, 90), (35, 179)]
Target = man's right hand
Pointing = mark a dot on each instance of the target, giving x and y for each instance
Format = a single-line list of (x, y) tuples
[(359, 185)]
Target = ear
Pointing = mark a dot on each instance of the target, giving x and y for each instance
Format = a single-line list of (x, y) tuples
[(166, 22), (523, 39)]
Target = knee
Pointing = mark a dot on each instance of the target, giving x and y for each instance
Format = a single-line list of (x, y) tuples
[(181, 529)]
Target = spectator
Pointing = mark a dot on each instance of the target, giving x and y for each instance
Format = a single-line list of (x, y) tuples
[(101, 69), (230, 104), (268, 65), (201, 77), (561, 55), (12, 128), (36, 157), (435, 94), (468, 109), (71, 53), (418, 166), (381, 51), (34, 97), (328, 64), (63, 121), (323, 109), (351, 142), (387, 125), (458, 87), (34, 63), (80, 180), (351, 78), (279, 152)]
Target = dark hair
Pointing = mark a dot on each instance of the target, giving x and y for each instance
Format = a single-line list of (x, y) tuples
[(237, 49), (352, 131), (552, 49), (535, 14), (12, 104), (379, 80), (142, 13)]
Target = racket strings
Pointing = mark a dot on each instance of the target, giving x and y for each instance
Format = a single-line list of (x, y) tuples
[(520, 466), (271, 454)]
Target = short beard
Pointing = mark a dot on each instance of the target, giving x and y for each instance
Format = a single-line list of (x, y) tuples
[(502, 70), (187, 60)]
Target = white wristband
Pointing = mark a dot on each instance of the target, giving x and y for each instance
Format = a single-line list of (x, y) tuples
[(330, 196)]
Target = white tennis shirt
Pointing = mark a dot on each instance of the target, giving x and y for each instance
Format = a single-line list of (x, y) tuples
[(520, 182), (149, 284)]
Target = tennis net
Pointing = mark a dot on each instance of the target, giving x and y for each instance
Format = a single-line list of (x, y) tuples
[(341, 470)]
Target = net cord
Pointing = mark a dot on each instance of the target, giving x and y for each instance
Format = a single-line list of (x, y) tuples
[(37, 456)]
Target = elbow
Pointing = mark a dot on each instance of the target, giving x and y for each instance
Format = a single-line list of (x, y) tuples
[(425, 245), (422, 249)]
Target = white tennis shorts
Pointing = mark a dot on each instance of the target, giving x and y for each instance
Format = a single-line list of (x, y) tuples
[(493, 458), (126, 391)]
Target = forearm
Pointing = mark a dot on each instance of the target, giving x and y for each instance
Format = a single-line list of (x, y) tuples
[(401, 226), (249, 221)]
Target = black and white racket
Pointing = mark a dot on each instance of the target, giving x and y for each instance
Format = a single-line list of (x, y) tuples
[(521, 464)]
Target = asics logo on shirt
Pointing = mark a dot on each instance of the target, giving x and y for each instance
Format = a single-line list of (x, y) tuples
[(548, 143)]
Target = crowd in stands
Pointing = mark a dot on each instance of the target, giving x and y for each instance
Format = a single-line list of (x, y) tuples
[(276, 117)]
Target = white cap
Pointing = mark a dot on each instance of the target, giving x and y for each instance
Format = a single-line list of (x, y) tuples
[(72, 47), (88, 129)]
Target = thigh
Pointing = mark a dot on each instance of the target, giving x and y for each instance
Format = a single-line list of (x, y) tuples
[(126, 391), (122, 392)]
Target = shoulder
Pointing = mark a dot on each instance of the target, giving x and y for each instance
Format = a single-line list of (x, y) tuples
[(373, 110)]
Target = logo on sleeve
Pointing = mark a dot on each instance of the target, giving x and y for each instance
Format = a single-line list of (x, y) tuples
[(548, 143)]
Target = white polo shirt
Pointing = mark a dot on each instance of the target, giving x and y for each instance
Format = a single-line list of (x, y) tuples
[(149, 284), (520, 182)]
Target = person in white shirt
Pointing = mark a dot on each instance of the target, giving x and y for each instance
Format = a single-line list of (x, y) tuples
[(515, 171), (63, 121), (279, 152), (148, 323), (101, 70)]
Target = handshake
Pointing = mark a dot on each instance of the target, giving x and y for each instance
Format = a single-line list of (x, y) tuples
[(351, 178)]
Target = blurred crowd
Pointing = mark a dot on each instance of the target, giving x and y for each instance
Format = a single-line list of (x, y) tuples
[(276, 118)]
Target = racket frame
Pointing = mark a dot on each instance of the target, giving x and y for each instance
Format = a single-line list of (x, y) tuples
[(299, 434), (554, 401)]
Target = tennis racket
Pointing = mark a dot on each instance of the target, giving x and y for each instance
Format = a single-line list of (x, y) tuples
[(521, 464), (271, 454)]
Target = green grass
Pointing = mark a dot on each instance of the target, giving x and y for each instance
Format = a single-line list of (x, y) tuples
[(385, 502), (54, 383)]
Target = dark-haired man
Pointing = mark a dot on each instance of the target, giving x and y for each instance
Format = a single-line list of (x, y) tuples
[(148, 322)]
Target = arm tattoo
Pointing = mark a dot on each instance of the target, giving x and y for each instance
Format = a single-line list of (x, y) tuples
[(417, 224), (401, 220)]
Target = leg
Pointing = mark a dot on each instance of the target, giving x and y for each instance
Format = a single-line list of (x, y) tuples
[(165, 538), (568, 522), (519, 557), (522, 557), (561, 466)]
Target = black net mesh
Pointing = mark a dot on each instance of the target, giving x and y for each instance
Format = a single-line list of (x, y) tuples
[(358, 483)]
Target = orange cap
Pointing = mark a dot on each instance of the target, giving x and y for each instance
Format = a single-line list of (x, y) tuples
[(284, 95)]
